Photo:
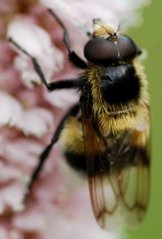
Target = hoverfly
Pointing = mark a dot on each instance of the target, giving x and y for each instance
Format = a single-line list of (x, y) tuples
[(106, 134)]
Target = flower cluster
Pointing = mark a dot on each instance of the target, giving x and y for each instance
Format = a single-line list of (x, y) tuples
[(57, 208)]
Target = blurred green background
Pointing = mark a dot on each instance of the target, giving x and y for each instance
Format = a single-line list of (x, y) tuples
[(149, 36)]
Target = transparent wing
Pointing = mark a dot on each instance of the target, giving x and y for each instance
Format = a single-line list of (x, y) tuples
[(118, 171), (134, 182)]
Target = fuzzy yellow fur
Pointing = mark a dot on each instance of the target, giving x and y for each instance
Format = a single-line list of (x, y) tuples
[(116, 118), (72, 136), (110, 118)]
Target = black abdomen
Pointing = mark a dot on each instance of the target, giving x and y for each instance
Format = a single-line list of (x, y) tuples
[(76, 161)]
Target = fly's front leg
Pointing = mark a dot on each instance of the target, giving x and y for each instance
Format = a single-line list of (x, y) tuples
[(63, 84), (73, 57)]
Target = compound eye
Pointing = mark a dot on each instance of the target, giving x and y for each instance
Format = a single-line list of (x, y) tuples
[(127, 48), (101, 51), (106, 51)]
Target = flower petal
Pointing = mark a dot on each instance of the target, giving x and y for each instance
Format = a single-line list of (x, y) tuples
[(36, 41), (10, 110), (116, 11), (3, 232), (31, 37), (23, 153), (30, 221), (12, 196), (9, 173), (63, 99), (36, 121)]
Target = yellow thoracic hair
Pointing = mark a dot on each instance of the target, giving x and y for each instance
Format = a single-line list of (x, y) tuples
[(115, 118)]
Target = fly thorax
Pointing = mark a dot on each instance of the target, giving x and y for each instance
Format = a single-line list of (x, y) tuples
[(120, 84)]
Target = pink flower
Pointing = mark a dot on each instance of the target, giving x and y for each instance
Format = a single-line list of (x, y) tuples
[(57, 207)]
